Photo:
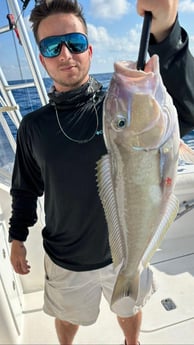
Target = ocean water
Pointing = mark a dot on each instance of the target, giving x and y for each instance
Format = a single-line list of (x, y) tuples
[(28, 99)]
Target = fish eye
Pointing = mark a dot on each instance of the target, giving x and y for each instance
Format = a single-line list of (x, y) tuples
[(120, 122)]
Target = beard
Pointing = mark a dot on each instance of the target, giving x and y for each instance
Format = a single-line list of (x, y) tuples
[(71, 79)]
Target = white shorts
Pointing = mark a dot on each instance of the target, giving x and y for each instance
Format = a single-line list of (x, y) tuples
[(75, 296)]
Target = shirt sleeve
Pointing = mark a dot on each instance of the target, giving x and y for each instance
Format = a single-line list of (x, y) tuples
[(27, 186), (177, 71)]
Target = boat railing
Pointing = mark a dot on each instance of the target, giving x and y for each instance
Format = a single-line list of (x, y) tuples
[(7, 101), (12, 287)]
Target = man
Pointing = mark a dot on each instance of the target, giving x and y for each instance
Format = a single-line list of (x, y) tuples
[(57, 149)]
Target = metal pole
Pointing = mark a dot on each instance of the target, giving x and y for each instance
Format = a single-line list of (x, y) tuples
[(14, 7)]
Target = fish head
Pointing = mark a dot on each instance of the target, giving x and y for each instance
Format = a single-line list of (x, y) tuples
[(137, 108)]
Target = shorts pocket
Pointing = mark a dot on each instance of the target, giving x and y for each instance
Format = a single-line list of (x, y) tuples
[(49, 267)]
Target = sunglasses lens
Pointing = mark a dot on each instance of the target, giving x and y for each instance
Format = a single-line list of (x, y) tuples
[(50, 48), (76, 46), (77, 43)]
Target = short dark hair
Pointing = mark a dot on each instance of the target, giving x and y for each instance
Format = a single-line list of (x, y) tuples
[(45, 8)]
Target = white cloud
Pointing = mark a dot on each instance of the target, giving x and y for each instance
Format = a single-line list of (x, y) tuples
[(186, 6), (107, 49), (109, 9), (98, 34), (101, 40)]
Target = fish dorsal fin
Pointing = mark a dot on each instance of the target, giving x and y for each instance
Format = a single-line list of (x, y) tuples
[(106, 193)]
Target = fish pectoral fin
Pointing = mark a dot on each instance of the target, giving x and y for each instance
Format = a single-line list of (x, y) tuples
[(125, 286), (167, 220)]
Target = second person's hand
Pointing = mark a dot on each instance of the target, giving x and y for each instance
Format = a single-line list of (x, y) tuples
[(164, 15)]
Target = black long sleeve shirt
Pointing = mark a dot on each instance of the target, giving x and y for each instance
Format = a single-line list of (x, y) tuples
[(177, 70)]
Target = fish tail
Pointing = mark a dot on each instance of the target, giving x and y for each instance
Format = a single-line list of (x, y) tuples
[(125, 286)]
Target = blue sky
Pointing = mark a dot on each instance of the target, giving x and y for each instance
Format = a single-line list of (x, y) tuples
[(114, 31)]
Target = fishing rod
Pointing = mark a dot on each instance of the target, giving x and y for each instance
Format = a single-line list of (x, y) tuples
[(144, 42)]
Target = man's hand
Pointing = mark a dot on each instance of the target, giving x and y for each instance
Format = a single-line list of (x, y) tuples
[(18, 257), (164, 13)]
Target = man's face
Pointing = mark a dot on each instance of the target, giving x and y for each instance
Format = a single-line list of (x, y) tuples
[(67, 70)]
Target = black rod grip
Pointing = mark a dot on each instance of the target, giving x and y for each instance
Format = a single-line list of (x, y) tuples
[(144, 42)]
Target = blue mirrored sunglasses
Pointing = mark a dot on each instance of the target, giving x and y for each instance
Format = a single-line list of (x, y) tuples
[(51, 46)]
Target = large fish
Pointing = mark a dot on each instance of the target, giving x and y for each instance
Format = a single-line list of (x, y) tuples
[(136, 178)]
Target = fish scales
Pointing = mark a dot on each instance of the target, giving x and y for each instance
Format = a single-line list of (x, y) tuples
[(136, 178)]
